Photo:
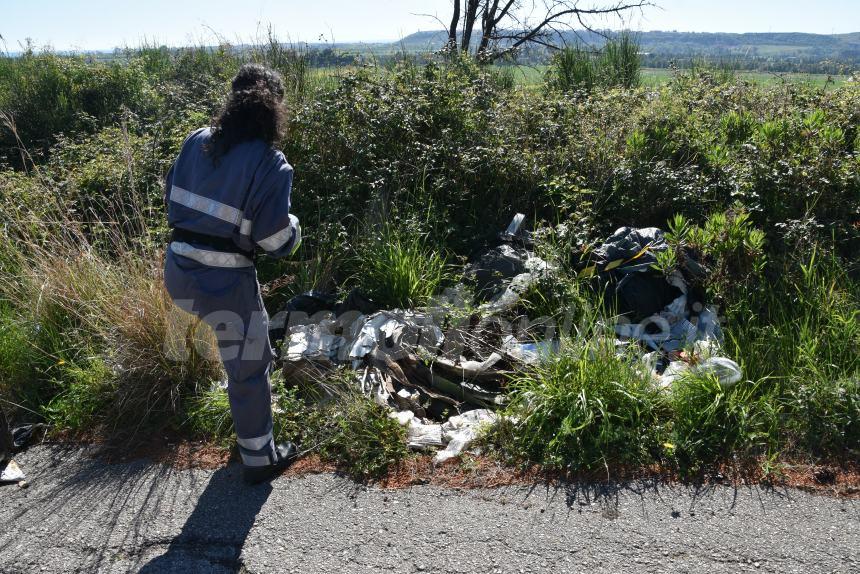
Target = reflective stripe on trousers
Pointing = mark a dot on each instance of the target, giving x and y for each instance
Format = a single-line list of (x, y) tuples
[(228, 300)]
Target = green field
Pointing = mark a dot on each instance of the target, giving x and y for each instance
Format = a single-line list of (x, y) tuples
[(534, 75)]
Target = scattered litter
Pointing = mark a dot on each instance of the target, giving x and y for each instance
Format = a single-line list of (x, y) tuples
[(510, 297), (395, 333), (311, 303), (460, 432), (313, 306), (402, 417), (9, 469), (432, 365), (10, 472), (468, 370), (727, 372)]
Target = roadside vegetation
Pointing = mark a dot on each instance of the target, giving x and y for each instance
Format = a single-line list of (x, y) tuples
[(402, 172)]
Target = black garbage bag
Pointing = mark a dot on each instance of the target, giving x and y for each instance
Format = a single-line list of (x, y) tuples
[(22, 435), (311, 303), (356, 301), (627, 242), (492, 270), (5, 439), (624, 269), (642, 294)]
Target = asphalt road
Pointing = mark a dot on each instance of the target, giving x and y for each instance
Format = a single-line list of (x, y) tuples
[(83, 515)]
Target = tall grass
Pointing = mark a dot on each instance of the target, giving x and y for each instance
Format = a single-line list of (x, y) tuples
[(114, 306), (807, 349), (617, 64), (712, 423), (583, 408), (109, 348), (401, 268), (620, 63)]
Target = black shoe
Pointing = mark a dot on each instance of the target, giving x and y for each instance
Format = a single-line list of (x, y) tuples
[(286, 453)]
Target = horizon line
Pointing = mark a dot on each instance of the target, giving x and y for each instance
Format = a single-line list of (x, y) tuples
[(50, 47)]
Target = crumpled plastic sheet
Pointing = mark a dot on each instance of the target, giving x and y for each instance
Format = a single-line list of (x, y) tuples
[(727, 371), (528, 353), (627, 242), (705, 360), (675, 329), (395, 332), (419, 435), (457, 434), (460, 431), (11, 472), (313, 342)]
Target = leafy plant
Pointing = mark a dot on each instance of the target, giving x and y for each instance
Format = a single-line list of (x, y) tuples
[(582, 408), (400, 268), (710, 422)]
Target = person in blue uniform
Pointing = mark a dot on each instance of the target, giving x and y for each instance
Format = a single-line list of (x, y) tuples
[(227, 198)]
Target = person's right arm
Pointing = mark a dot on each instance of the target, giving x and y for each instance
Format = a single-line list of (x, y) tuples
[(275, 229)]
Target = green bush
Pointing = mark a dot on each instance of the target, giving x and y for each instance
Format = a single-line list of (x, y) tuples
[(349, 430), (583, 408), (83, 392), (362, 438), (47, 94), (825, 418)]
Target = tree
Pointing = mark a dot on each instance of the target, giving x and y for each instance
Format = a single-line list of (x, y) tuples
[(506, 25)]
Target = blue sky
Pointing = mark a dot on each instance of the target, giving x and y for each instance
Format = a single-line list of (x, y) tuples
[(104, 24)]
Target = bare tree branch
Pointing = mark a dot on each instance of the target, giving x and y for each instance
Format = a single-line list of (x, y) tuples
[(506, 25), (452, 30), (469, 18)]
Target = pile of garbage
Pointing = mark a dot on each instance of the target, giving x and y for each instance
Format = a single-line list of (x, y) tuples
[(667, 314), (443, 373)]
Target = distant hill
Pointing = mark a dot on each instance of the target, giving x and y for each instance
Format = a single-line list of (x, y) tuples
[(759, 46)]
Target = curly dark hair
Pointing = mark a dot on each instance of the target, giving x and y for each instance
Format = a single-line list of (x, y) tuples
[(253, 110)]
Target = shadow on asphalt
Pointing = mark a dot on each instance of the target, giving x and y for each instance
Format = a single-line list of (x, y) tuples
[(157, 518), (607, 494), (217, 528), (133, 507)]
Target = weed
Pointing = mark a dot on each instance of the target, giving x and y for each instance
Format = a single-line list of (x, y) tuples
[(583, 408), (618, 63), (710, 423), (400, 268)]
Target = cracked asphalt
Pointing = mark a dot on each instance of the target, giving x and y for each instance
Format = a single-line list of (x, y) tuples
[(81, 514)]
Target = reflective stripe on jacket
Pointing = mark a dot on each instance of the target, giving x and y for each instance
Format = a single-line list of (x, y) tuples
[(245, 197)]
